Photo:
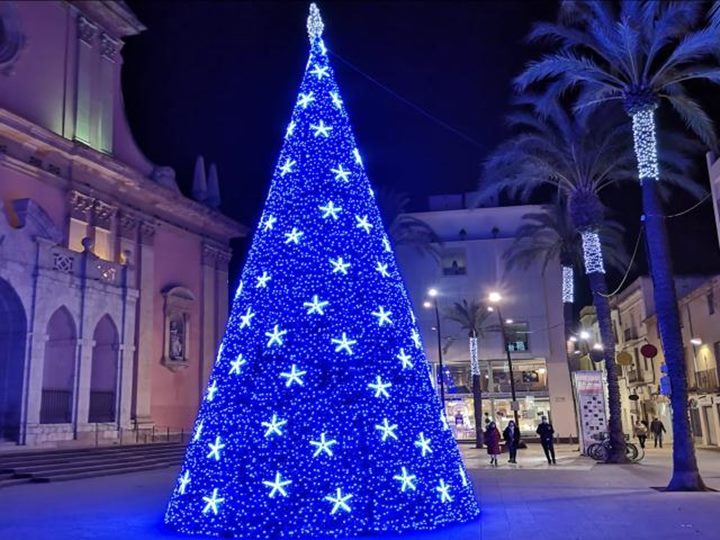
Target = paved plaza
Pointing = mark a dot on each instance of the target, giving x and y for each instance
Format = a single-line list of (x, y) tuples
[(576, 499)]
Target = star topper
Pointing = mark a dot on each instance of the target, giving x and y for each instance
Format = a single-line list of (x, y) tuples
[(315, 25)]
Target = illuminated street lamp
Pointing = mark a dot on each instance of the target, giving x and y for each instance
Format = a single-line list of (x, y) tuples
[(433, 293), (495, 298)]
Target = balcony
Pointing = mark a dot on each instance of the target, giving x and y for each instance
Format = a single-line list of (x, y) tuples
[(706, 379)]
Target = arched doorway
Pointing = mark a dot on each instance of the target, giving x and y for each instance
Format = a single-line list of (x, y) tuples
[(103, 374), (59, 369), (13, 328)]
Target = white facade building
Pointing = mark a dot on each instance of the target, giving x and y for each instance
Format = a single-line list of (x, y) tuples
[(471, 266)]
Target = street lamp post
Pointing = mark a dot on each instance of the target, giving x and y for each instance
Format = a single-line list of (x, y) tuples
[(432, 293), (495, 299)]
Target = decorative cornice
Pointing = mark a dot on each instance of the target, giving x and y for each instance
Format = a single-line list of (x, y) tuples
[(86, 30), (147, 233), (80, 206), (127, 225), (108, 46), (102, 214)]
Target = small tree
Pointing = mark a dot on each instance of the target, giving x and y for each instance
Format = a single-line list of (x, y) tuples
[(471, 316)]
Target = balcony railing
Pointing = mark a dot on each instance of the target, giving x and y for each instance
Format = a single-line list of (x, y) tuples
[(706, 379)]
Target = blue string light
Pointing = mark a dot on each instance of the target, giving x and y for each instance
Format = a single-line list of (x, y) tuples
[(320, 419)]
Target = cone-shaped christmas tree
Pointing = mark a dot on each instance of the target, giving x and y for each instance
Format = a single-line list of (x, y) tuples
[(320, 419)]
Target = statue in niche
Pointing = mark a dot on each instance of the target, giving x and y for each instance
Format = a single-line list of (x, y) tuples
[(177, 339)]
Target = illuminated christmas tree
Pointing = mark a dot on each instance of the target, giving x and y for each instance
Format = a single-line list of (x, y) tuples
[(320, 419)]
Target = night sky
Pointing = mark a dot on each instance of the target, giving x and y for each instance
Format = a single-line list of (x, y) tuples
[(220, 79)]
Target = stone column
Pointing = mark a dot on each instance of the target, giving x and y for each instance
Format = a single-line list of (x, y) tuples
[(221, 275), (36, 349), (144, 336), (82, 389), (208, 343)]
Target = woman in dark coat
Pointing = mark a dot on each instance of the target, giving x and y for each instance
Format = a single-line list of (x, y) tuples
[(492, 442), (511, 434)]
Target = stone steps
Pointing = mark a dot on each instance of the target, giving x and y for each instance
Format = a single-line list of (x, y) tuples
[(52, 466)]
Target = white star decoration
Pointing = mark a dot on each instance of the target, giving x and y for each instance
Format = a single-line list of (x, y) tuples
[(278, 486), (386, 244), (198, 431), (337, 101), (339, 501), (239, 290), (287, 167), (293, 376), (383, 269), (236, 364), (316, 306), (290, 130), (273, 426), (293, 236), (323, 445), (380, 387), (423, 444), (406, 480), (305, 99), (343, 344), (463, 476), (382, 315), (184, 481), (275, 336), (443, 489), (341, 173), (212, 502), (219, 354), (211, 391), (330, 210), (269, 222), (319, 72), (405, 359), (362, 223), (387, 430), (262, 281), (321, 129), (245, 319), (356, 154), (339, 265), (416, 338), (215, 448)]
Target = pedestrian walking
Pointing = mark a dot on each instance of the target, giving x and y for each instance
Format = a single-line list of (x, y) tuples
[(511, 434), (641, 432), (545, 431), (492, 442), (657, 428)]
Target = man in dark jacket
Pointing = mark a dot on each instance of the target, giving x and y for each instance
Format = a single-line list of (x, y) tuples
[(657, 428), (546, 431)]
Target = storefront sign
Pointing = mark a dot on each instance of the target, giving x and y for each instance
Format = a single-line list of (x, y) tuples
[(590, 402)]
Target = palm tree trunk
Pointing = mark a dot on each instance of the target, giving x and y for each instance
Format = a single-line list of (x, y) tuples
[(476, 389), (685, 476), (598, 286)]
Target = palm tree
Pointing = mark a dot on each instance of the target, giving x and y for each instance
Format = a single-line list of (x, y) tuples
[(405, 230), (549, 236), (639, 54), (471, 315)]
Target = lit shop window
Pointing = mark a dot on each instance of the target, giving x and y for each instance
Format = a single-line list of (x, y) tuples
[(453, 263), (517, 336), (78, 231)]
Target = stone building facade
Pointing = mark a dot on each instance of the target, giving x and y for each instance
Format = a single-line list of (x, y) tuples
[(113, 284)]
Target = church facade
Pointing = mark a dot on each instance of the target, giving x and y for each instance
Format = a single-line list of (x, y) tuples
[(113, 284)]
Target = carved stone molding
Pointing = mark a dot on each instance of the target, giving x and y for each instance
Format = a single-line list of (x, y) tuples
[(80, 206), (215, 256), (108, 46), (86, 30), (176, 336), (223, 259), (147, 233), (102, 214), (128, 225)]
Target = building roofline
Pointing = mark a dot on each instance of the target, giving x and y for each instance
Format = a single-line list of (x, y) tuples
[(115, 17)]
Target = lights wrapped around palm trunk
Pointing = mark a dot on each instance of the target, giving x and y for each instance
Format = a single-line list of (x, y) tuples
[(592, 252), (645, 144), (568, 285), (474, 361)]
